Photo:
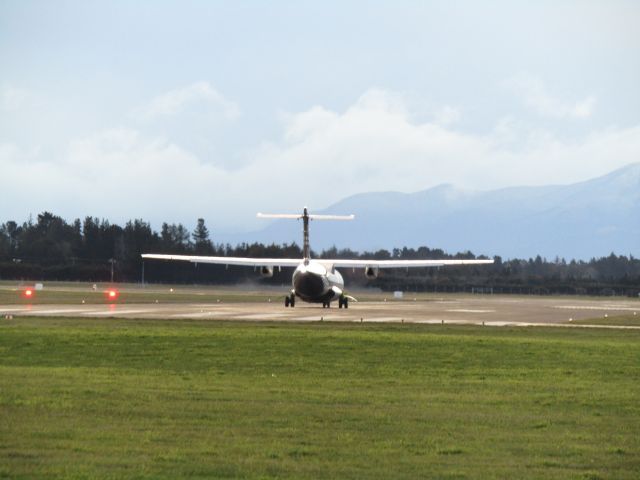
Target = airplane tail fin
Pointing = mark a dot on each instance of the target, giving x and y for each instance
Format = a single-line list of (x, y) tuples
[(306, 217)]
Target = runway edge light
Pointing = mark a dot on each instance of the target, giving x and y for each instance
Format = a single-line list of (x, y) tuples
[(112, 294), (28, 292)]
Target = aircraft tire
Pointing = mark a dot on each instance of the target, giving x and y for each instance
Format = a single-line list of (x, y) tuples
[(286, 302)]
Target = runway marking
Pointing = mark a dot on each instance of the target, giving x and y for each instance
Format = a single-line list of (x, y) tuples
[(203, 311), (615, 327), (115, 312), (506, 324), (200, 315), (437, 321), (259, 316), (316, 318), (383, 319), (61, 310), (526, 324), (207, 305), (467, 310), (311, 319), (598, 307), (472, 312)]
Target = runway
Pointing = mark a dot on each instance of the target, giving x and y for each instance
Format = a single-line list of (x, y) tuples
[(490, 310)]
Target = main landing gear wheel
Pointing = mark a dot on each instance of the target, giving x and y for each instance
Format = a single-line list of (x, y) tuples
[(343, 302), (290, 301), (326, 304)]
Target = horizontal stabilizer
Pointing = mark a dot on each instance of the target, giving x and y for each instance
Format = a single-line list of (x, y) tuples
[(332, 217), (310, 216), (279, 215)]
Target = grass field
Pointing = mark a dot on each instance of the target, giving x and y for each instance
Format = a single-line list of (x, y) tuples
[(158, 399), (69, 293)]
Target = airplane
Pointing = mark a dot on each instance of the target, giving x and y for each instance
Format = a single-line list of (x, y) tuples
[(314, 280)]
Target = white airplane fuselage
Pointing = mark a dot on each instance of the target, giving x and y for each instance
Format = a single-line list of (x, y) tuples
[(313, 282)]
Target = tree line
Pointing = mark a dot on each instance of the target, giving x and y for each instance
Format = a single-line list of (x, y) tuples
[(95, 250)]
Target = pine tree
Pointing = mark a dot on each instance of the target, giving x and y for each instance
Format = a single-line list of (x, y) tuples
[(201, 239)]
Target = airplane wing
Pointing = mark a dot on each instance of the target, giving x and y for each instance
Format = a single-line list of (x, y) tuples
[(400, 263), (248, 262), (294, 262)]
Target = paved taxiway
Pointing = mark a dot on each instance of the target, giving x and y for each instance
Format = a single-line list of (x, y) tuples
[(488, 310)]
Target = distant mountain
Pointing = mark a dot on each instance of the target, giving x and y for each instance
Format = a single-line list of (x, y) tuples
[(582, 220)]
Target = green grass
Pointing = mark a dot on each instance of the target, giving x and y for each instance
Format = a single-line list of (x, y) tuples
[(86, 398), (75, 295), (69, 293)]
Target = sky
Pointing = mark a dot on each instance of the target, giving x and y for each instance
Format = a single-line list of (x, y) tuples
[(171, 111)]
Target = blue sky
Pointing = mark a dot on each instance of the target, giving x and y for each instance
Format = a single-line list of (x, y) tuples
[(176, 110)]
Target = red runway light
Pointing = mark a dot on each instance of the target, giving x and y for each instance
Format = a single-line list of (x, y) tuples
[(28, 293), (112, 294)]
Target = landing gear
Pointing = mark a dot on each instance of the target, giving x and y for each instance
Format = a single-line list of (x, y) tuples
[(326, 304), (290, 301), (343, 302)]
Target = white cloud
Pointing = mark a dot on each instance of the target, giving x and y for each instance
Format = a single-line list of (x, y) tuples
[(117, 174), (303, 124), (447, 115), (13, 99), (535, 96), (197, 117), (199, 95), (375, 145), (322, 157)]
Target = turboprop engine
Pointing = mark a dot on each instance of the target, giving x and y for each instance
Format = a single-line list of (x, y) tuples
[(266, 271), (371, 272)]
